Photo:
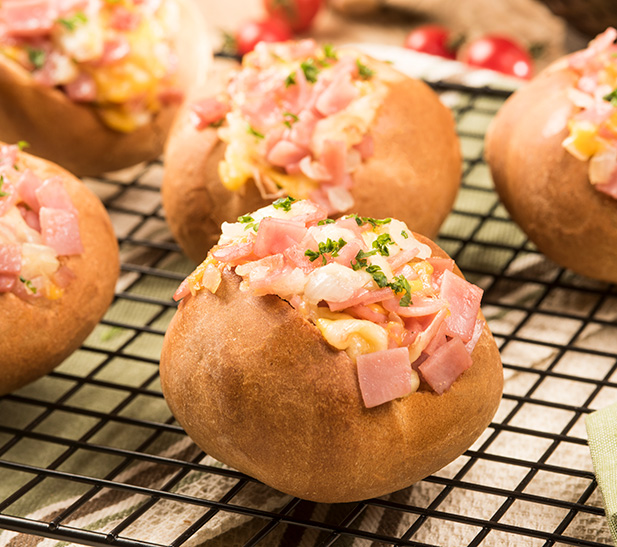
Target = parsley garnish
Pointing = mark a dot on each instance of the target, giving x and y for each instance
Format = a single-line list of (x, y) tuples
[(245, 218), (405, 234), (70, 23), (28, 284), (611, 97), (310, 70), (326, 247), (23, 144), (2, 193), (364, 71), (36, 57), (290, 80), (381, 244), (283, 203), (255, 133), (378, 275), (401, 285), (293, 119), (361, 257), (329, 52), (326, 221), (374, 222), (249, 221)]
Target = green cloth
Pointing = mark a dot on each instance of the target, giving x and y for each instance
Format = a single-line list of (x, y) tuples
[(602, 433)]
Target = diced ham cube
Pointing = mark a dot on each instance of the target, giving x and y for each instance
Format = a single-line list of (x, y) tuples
[(464, 301), (337, 95), (234, 254), (27, 18), (7, 282), (284, 153), (27, 186), (208, 111), (385, 376), (53, 195), (10, 259), (275, 235), (477, 332), (82, 89), (441, 369), (334, 160), (60, 230)]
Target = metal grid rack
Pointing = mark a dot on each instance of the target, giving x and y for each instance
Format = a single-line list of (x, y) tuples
[(91, 455)]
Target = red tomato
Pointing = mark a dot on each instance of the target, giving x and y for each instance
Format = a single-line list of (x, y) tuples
[(250, 33), (499, 53), (298, 14), (431, 39)]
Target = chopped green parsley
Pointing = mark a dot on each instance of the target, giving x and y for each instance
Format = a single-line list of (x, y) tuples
[(255, 133), (611, 97), (70, 23), (329, 52), (36, 57), (310, 69), (28, 284), (292, 118), (381, 244), (290, 80), (364, 71), (283, 203), (2, 193), (327, 247), (374, 222)]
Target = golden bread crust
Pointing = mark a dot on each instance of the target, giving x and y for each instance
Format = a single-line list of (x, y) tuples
[(545, 189), (256, 386), (73, 135), (38, 334), (414, 174)]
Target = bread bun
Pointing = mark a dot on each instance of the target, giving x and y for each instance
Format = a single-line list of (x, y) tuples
[(38, 333), (413, 173), (73, 134), (256, 385), (544, 187)]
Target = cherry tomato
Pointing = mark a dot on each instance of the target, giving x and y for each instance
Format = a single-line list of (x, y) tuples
[(298, 14), (499, 53), (432, 39), (250, 33)]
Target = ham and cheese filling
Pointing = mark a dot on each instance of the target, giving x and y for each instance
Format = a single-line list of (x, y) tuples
[(116, 55), (593, 129), (369, 286), (39, 227), (297, 119)]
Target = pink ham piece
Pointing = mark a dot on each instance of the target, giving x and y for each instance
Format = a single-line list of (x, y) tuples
[(208, 111), (284, 153), (234, 254), (363, 296), (10, 259), (334, 159), (27, 186), (53, 195), (275, 235), (7, 282), (182, 291), (60, 230), (463, 299), (27, 18), (337, 95), (82, 89), (384, 376), (441, 369)]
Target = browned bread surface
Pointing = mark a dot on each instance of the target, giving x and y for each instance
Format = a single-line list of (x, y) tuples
[(414, 174), (38, 334), (256, 386), (545, 189)]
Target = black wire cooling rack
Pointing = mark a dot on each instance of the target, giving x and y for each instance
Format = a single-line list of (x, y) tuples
[(91, 455)]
